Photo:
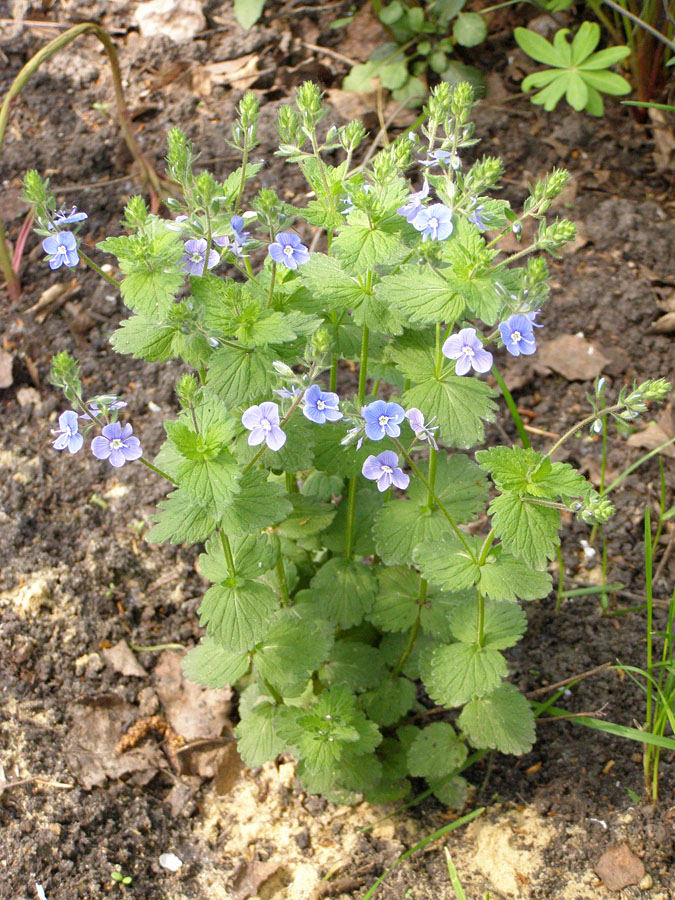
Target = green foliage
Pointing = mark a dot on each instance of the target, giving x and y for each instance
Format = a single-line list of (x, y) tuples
[(576, 70)]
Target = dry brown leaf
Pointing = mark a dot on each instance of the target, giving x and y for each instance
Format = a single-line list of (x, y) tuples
[(252, 876), (573, 357), (618, 867), (363, 34), (350, 105), (653, 436), (123, 660), (193, 711), (664, 325), (97, 726), (242, 71)]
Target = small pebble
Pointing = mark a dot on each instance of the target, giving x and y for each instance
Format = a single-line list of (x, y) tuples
[(170, 861)]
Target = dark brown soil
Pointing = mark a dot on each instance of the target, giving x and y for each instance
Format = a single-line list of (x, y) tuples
[(77, 576)]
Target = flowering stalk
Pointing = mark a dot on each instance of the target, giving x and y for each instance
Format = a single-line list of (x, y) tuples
[(351, 497)]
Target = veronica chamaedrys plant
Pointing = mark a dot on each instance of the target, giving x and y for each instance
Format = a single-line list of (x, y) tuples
[(333, 528)]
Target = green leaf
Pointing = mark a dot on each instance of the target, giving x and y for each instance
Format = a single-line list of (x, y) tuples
[(359, 79), (181, 519), (344, 591), (247, 12), (309, 516), (448, 563), (538, 48), (259, 504), (607, 82), (435, 752), (212, 482), (460, 672), (256, 734), (362, 245), (291, 650), (404, 524), (503, 577), (143, 339), (327, 280), (211, 666), (511, 467), (236, 614), (453, 793), (462, 405), (358, 666), (252, 555), (469, 29), (501, 721), (421, 294), (389, 701), (395, 607), (577, 91), (471, 273), (503, 624), (527, 530), (240, 376), (585, 41), (603, 59), (368, 501)]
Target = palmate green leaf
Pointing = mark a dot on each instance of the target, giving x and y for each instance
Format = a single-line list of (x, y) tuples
[(404, 524), (368, 501), (328, 281), (291, 650), (462, 405), (503, 624), (252, 555), (503, 577), (362, 245), (436, 751), (529, 531), (459, 672), (344, 591), (181, 519), (448, 563), (258, 504), (389, 701), (356, 665), (212, 482), (144, 339), (237, 614), (210, 665), (501, 721), (239, 377), (309, 516), (421, 294), (470, 272), (395, 607), (257, 737)]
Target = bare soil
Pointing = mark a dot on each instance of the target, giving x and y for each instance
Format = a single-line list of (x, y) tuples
[(77, 577)]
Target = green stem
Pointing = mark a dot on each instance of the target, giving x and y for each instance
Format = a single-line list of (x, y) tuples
[(414, 631), (561, 578), (480, 619), (99, 271), (587, 421), (332, 386), (513, 409), (242, 183), (227, 550), (487, 546), (283, 583), (272, 281), (650, 666), (157, 471), (433, 464), (351, 497)]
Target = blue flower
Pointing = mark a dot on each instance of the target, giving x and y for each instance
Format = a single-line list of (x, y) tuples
[(476, 217), (532, 317), (384, 469), (116, 444), (414, 203), (263, 423), (321, 406), (382, 419), (434, 222), (106, 403), (467, 348), (436, 157), (237, 223), (518, 336), (63, 217), (422, 431), (288, 393), (67, 432), (178, 223), (195, 254), (289, 250), (233, 246), (61, 249)]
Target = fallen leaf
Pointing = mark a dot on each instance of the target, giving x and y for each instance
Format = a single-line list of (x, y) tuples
[(243, 72), (97, 726), (252, 876), (573, 357), (123, 660), (193, 711), (364, 34), (665, 324), (652, 436), (6, 362), (618, 867)]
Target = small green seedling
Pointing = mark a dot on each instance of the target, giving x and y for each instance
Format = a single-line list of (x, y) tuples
[(120, 878)]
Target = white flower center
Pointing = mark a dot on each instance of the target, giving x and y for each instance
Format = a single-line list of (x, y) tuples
[(196, 257), (383, 420), (265, 424), (320, 404), (288, 250), (388, 470), (433, 222), (468, 351), (516, 336), (116, 443), (62, 250)]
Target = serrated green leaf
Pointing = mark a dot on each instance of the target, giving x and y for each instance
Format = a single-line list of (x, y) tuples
[(368, 501), (453, 793), (421, 294), (144, 339), (503, 623), (435, 752), (396, 606), (180, 518), (529, 531), (389, 701), (362, 245), (393, 645), (237, 614), (240, 376), (326, 279), (448, 563), (471, 271), (309, 516), (344, 591), (258, 504), (501, 721), (503, 577), (462, 405), (252, 555), (290, 651), (257, 738), (459, 672), (210, 665), (357, 665), (510, 467), (439, 606), (212, 482)]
